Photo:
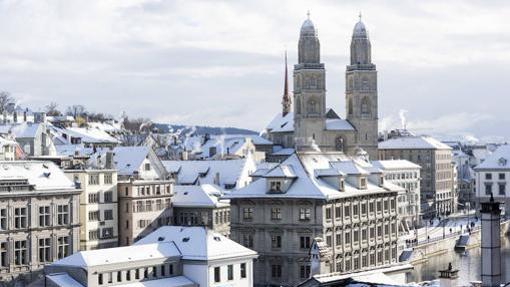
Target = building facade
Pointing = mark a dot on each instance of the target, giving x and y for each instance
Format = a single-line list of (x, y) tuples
[(406, 175), (342, 201), (39, 218), (98, 206), (438, 193), (170, 256)]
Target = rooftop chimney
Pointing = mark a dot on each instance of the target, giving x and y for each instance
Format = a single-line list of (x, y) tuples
[(448, 277)]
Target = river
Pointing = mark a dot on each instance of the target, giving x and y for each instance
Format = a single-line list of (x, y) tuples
[(468, 265)]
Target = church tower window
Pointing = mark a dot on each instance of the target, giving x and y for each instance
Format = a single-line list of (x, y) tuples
[(365, 106), (350, 107), (312, 107), (298, 106)]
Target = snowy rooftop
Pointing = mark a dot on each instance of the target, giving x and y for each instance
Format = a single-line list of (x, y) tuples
[(198, 243), (414, 142), (44, 175), (205, 195), (90, 135), (4, 142), (23, 130), (286, 123), (204, 171), (307, 168), (499, 159), (118, 255), (65, 280), (395, 164)]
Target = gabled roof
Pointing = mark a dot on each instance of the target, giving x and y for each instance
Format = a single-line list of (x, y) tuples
[(286, 123), (204, 171), (90, 135), (198, 243), (282, 170), (205, 195), (306, 184), (413, 142), (499, 159), (22, 130), (44, 175), (117, 255)]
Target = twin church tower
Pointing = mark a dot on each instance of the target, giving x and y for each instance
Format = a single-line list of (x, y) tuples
[(315, 126)]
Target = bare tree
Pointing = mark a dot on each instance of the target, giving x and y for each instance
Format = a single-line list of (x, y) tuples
[(5, 100), (52, 109), (76, 111)]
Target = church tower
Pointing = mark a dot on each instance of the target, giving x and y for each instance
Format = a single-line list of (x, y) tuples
[(309, 90), (361, 91)]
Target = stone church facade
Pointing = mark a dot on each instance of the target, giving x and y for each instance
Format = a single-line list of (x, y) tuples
[(311, 123)]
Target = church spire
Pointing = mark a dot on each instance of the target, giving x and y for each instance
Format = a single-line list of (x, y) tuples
[(286, 101)]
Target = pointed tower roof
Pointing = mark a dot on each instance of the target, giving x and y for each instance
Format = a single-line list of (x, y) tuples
[(308, 28), (286, 101), (359, 29)]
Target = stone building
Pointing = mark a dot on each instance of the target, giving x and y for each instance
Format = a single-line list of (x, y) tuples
[(311, 122), (438, 178), (98, 204), (406, 175), (492, 177), (170, 256), (39, 218), (343, 201), (200, 205)]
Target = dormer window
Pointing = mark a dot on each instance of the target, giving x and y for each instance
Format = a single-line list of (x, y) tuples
[(275, 186), (363, 182)]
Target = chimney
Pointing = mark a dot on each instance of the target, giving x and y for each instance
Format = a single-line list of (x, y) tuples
[(15, 116), (184, 155), (448, 277), (109, 160), (491, 243), (25, 115), (217, 178)]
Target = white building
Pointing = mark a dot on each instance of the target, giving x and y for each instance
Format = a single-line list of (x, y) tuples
[(98, 205), (406, 175), (7, 149), (170, 256), (492, 176)]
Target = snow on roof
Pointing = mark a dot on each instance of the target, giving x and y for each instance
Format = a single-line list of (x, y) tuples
[(22, 130), (129, 158), (499, 159), (90, 135), (198, 243), (71, 149), (349, 167), (222, 145), (338, 125), (306, 185), (177, 281), (204, 171), (205, 195), (118, 255), (282, 170), (415, 142), (256, 139), (44, 175), (281, 123), (286, 124), (395, 164), (5, 142), (284, 151), (64, 280)]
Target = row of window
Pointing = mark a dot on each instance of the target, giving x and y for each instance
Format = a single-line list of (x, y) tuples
[(106, 233), (94, 179), (44, 246), (501, 188), (96, 215), (488, 176), (401, 175), (149, 205), (149, 190), (95, 197), (276, 271), (20, 216), (230, 272), (153, 272)]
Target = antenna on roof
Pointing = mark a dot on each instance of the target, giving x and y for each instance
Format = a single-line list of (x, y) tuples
[(308, 14), (359, 15)]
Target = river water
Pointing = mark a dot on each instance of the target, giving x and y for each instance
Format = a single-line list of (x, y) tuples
[(468, 265)]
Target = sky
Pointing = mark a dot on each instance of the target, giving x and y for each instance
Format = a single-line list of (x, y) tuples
[(443, 65)]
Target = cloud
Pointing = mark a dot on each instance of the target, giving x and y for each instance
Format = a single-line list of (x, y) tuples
[(221, 62)]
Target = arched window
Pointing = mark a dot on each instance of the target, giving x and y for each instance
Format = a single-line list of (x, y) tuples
[(365, 106), (350, 106), (339, 143), (298, 105), (311, 106)]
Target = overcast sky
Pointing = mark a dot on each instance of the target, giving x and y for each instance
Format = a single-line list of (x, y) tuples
[(447, 63)]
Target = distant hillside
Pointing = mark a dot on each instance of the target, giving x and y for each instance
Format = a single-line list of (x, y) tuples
[(202, 130)]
